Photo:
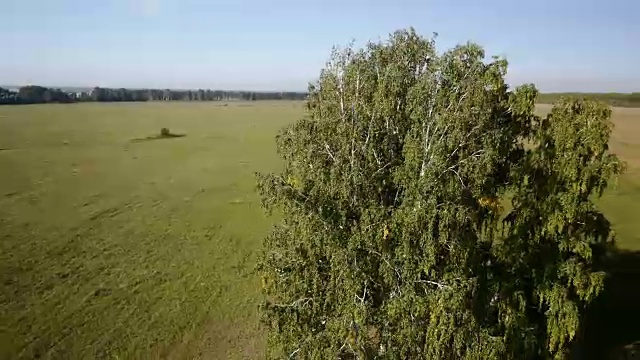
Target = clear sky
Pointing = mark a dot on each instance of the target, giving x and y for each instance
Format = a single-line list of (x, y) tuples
[(561, 45)]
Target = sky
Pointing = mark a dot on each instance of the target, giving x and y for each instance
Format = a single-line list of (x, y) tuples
[(560, 45)]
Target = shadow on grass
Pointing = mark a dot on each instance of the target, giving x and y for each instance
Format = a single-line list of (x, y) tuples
[(612, 324), (159, 137)]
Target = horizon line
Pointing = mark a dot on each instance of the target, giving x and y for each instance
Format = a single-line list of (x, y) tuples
[(264, 91)]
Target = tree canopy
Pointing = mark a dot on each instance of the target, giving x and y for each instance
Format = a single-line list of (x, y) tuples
[(427, 212)]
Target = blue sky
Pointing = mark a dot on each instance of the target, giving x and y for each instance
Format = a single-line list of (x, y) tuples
[(560, 45)]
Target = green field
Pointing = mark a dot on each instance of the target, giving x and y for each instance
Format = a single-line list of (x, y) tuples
[(116, 247), (132, 248)]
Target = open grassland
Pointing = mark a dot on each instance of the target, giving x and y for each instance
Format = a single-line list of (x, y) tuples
[(114, 243), (113, 247)]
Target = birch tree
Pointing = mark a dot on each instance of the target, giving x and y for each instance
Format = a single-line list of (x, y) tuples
[(393, 240)]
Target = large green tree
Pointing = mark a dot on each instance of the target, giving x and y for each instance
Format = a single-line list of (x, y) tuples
[(393, 239)]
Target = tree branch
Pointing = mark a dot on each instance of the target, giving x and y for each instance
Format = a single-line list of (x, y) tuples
[(296, 303), (326, 146), (439, 285)]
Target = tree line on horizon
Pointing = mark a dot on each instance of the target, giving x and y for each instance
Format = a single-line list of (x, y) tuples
[(612, 99), (34, 94)]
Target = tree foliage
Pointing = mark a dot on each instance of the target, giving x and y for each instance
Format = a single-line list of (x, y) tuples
[(394, 241), (33, 94)]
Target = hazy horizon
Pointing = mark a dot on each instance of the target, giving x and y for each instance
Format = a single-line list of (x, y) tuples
[(88, 88), (572, 46)]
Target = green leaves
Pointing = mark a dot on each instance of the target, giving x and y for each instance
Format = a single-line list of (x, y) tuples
[(391, 195), (555, 235)]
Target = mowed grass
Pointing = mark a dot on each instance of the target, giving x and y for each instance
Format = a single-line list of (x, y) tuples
[(116, 244), (117, 248), (622, 203)]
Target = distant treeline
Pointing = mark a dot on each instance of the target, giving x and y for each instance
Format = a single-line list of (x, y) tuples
[(613, 99), (34, 94)]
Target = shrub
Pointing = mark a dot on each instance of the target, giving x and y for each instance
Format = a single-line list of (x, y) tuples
[(165, 132), (393, 242)]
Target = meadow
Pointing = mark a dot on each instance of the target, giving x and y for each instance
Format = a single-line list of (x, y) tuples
[(117, 244)]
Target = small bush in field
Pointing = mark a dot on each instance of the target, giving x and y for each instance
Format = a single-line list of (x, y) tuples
[(165, 133)]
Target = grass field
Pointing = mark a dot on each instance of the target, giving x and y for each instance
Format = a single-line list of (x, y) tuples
[(117, 246), (113, 247)]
